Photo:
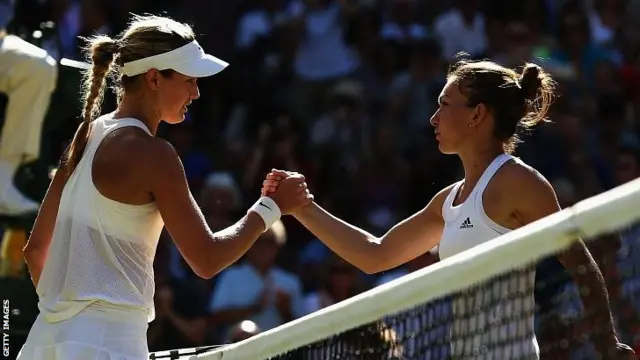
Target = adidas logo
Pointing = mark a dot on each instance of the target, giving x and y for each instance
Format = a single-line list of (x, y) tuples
[(466, 224)]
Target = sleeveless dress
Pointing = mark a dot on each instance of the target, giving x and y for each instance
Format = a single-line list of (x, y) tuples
[(97, 285), (495, 319)]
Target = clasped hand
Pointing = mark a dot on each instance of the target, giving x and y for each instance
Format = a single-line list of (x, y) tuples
[(288, 189)]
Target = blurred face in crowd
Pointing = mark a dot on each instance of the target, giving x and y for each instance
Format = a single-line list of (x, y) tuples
[(626, 168), (605, 76), (452, 120), (519, 39), (403, 11), (576, 32), (218, 200), (342, 278), (283, 149), (93, 15), (345, 107), (570, 128), (385, 138), (264, 251), (419, 65)]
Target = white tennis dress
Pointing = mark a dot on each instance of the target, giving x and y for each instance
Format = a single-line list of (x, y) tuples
[(493, 320), (96, 289)]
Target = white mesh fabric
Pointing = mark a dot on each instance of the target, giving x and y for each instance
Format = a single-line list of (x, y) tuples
[(101, 249)]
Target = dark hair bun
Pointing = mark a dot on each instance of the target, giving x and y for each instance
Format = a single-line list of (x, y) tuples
[(531, 81)]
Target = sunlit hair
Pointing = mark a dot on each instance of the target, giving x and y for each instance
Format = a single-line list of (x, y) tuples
[(144, 37), (517, 101)]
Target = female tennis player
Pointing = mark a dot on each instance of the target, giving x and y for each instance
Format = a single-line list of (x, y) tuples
[(93, 244), (480, 108)]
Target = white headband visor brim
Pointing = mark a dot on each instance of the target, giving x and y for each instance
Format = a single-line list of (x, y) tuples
[(207, 65), (189, 60)]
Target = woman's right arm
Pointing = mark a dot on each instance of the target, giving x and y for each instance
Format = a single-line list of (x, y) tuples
[(206, 252), (405, 241)]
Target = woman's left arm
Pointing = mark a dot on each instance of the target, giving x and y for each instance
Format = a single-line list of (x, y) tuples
[(37, 248), (534, 198)]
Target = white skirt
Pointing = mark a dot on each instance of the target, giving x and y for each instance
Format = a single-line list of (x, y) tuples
[(93, 334)]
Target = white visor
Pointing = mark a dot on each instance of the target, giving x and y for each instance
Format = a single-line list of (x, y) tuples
[(189, 60)]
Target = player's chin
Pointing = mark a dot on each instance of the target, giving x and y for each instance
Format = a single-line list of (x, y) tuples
[(177, 119), (445, 148)]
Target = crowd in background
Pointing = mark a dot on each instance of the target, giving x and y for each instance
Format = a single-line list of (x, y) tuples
[(342, 91)]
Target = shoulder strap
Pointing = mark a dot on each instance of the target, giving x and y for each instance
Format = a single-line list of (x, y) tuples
[(113, 124), (448, 201), (100, 127)]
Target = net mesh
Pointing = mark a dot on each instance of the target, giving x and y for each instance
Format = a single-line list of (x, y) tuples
[(525, 295)]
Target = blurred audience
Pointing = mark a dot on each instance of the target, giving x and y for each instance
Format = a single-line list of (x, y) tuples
[(342, 91), (339, 282), (256, 289)]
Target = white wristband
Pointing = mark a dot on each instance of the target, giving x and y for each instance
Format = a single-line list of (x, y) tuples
[(268, 210)]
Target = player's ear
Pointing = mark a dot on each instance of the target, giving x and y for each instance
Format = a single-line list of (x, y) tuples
[(479, 114)]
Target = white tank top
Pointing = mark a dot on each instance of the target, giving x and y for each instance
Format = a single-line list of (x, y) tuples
[(102, 251), (493, 320)]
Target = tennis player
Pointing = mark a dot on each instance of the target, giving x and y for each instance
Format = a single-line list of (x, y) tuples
[(480, 108), (93, 244)]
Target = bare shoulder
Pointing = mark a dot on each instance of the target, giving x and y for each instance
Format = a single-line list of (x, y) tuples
[(160, 154), (525, 191), (144, 160), (521, 178), (146, 152)]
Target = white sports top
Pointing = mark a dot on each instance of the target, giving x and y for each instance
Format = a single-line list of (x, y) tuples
[(493, 320), (102, 251)]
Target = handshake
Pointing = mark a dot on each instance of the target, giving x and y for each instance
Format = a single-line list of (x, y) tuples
[(287, 189)]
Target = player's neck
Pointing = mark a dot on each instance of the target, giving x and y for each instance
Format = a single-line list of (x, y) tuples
[(475, 162), (131, 108)]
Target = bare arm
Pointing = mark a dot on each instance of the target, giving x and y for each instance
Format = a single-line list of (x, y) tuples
[(207, 253), (536, 199), (404, 242), (37, 248)]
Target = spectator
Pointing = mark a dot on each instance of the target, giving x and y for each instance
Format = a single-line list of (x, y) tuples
[(414, 93), (323, 57), (221, 199), (28, 76), (462, 28), (180, 316), (402, 25), (257, 289), (340, 282)]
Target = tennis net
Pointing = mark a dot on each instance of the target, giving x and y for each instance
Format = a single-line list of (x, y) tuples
[(509, 298)]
